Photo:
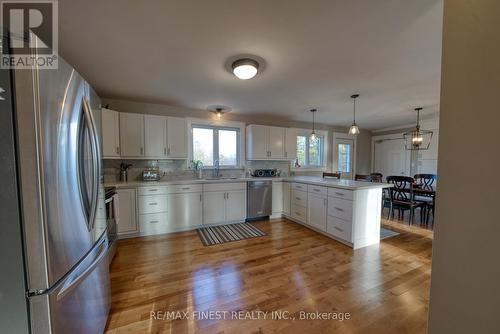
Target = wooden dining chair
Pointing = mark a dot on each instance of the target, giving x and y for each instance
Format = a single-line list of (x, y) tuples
[(402, 198), (331, 175), (362, 177), (427, 181)]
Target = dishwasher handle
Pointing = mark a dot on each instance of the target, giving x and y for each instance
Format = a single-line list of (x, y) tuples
[(260, 184)]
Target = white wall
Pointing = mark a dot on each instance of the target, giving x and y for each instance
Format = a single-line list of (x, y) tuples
[(465, 282)]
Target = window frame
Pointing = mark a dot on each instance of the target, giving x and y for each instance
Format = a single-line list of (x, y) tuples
[(239, 128), (324, 150), (307, 156)]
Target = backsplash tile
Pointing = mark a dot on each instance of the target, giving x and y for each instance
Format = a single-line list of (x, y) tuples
[(178, 169)]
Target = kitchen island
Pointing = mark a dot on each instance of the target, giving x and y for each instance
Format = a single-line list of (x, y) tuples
[(345, 210)]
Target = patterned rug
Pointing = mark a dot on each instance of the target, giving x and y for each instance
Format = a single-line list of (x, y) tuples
[(215, 235), (385, 233)]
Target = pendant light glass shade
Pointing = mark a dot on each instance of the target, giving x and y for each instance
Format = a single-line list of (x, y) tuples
[(354, 129), (313, 136), (417, 139)]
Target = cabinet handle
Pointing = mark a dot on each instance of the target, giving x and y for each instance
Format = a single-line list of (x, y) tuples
[(168, 150), (200, 198), (339, 209), (297, 198), (154, 221), (153, 203), (286, 154), (117, 150), (227, 196), (317, 190), (338, 228), (152, 189), (340, 194), (165, 151), (324, 202), (298, 214), (142, 151), (186, 188)]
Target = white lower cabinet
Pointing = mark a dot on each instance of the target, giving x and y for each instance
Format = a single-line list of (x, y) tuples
[(185, 210), (286, 198), (153, 211), (126, 214), (339, 228), (277, 199), (317, 211), (224, 202)]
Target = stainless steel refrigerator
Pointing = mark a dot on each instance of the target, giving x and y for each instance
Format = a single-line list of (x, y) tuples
[(53, 246)]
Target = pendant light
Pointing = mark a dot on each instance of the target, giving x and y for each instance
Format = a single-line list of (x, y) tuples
[(313, 133), (354, 129), (417, 139)]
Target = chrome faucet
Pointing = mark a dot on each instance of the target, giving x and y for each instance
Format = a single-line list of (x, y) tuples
[(216, 169)]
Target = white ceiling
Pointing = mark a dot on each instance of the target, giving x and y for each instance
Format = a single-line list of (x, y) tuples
[(317, 54)]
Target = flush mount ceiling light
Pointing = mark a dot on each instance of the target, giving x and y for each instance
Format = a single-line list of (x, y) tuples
[(354, 129), (219, 110), (245, 68), (313, 133), (417, 139)]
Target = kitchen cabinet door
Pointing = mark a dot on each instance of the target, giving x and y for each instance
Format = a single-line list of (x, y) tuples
[(155, 136), (110, 133), (290, 144), (214, 207), (126, 217), (185, 211), (236, 205), (277, 198), (276, 142), (286, 198), (317, 211), (257, 139), (132, 135), (176, 138)]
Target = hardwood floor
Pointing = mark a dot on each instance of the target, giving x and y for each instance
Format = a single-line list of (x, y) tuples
[(385, 289)]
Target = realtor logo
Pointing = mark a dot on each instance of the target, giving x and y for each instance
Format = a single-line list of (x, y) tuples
[(30, 31)]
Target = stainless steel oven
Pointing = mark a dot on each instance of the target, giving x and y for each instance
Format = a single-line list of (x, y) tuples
[(111, 222)]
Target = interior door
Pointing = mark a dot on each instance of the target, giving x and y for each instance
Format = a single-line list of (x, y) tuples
[(344, 157), (236, 205), (214, 207), (391, 157), (155, 137), (177, 138)]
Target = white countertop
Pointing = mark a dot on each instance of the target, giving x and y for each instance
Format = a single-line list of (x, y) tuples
[(315, 180)]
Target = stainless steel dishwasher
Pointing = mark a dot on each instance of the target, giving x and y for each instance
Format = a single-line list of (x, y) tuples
[(259, 199)]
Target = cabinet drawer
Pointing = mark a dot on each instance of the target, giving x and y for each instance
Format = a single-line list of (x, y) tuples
[(152, 204), (153, 223), (158, 190), (319, 190), (299, 197), (340, 193), (299, 212), (185, 188), (342, 229), (299, 186), (225, 186), (340, 208)]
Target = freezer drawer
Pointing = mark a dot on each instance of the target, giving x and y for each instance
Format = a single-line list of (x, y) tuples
[(79, 303)]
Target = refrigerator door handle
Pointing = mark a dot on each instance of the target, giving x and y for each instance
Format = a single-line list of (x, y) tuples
[(73, 280), (95, 163)]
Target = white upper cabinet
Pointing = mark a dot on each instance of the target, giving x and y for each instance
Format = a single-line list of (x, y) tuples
[(132, 135), (177, 138), (110, 134), (257, 138), (276, 142), (155, 136), (265, 142), (290, 143)]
